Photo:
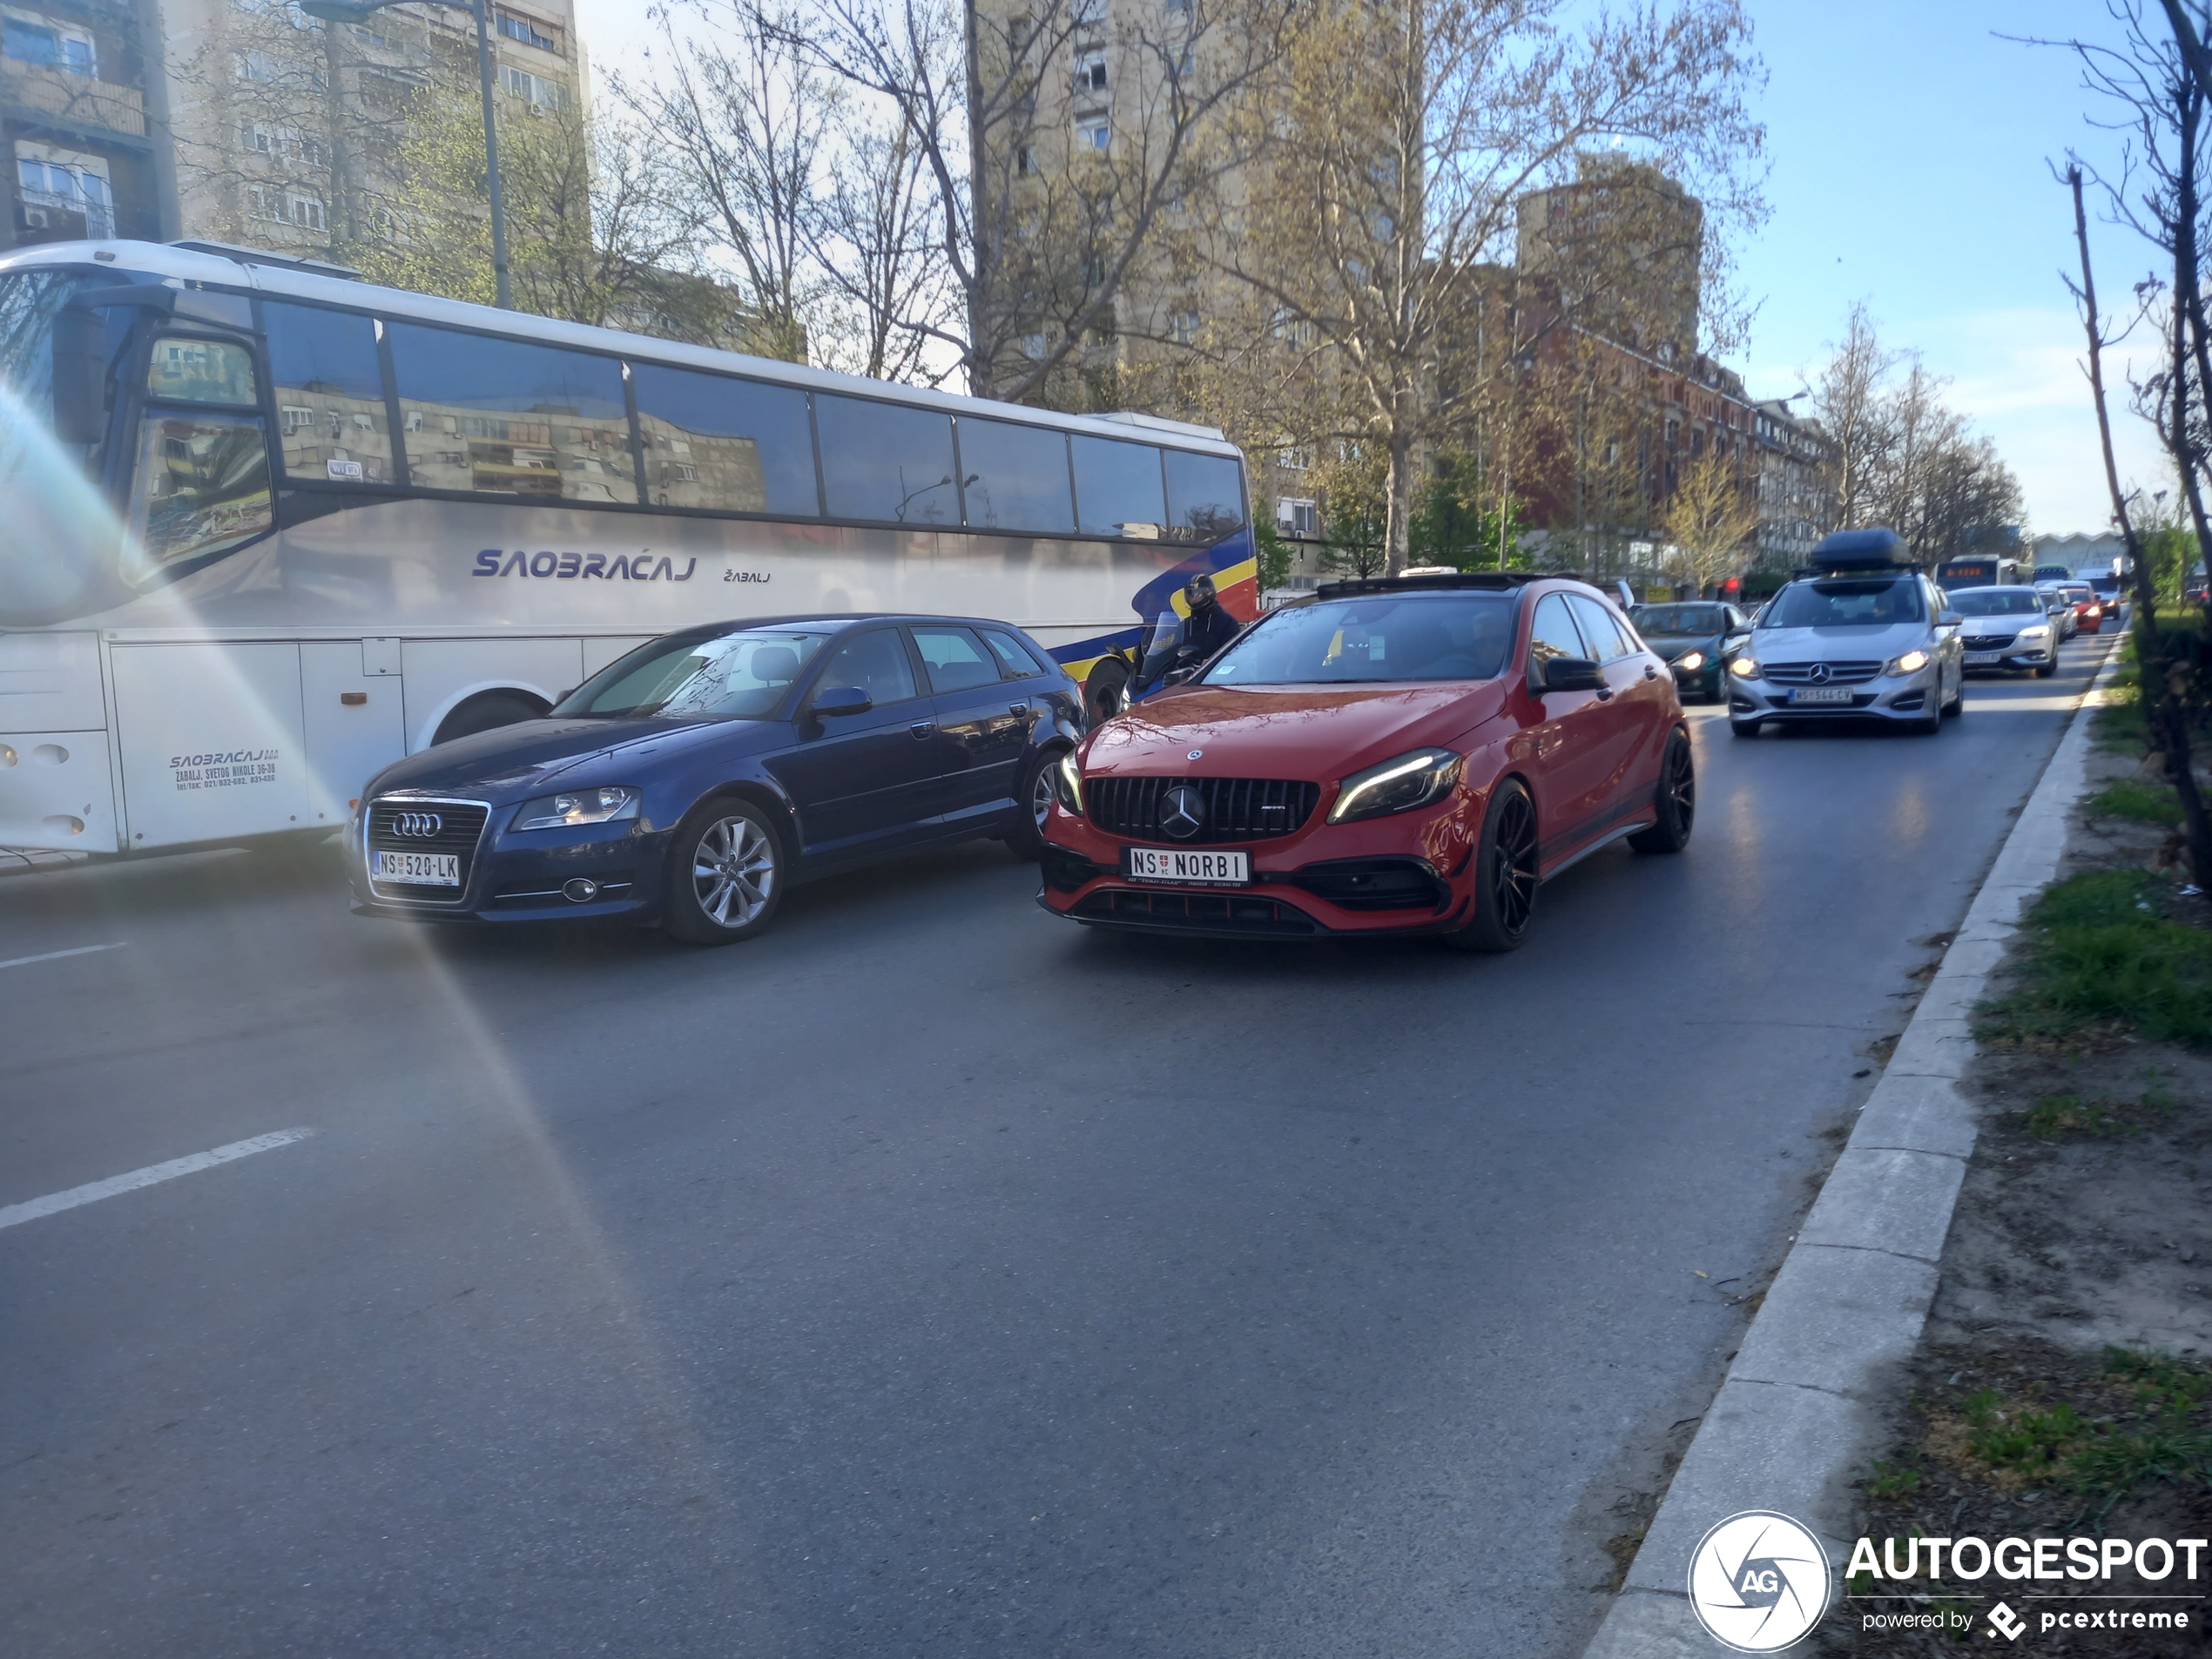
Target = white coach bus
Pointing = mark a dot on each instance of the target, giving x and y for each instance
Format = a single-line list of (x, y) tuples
[(265, 528)]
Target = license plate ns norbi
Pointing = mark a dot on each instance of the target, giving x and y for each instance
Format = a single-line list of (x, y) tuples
[(1178, 864), (423, 869)]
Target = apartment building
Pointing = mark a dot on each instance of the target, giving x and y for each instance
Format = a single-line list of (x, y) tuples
[(242, 120), (81, 152)]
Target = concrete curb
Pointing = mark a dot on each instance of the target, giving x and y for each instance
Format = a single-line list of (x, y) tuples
[(1802, 1398)]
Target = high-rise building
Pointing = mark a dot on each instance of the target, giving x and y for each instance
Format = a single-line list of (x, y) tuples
[(82, 150)]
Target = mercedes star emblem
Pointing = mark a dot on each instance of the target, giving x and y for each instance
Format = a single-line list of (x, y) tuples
[(1182, 813), (1819, 674), (420, 823), (1197, 754)]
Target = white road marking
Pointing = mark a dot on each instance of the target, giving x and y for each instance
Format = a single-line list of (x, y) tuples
[(56, 956), (32, 1208)]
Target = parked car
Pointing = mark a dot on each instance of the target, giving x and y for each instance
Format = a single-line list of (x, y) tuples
[(2193, 585), (1695, 639), (692, 781), (2005, 628), (1399, 757), (1863, 636)]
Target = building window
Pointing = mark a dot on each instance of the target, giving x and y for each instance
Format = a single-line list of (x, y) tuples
[(284, 207), (1298, 518), (1025, 161), (534, 90), (49, 46), (1182, 328), (529, 33), (1090, 72), (1033, 347), (1094, 135), (59, 187)]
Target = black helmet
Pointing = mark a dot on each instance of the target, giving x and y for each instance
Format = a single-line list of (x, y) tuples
[(1198, 592)]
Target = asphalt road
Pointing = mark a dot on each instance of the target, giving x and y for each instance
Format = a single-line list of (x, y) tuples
[(932, 1276)]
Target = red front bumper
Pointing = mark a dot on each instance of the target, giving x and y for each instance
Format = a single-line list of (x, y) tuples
[(1410, 873)]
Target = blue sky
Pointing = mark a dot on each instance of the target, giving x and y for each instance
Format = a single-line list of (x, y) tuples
[(1908, 147)]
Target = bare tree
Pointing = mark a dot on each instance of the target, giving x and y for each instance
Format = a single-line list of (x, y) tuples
[(1044, 208), (1403, 139), (1850, 399), (886, 289)]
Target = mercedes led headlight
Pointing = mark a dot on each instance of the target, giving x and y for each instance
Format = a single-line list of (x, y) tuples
[(1744, 668), (601, 805), (1912, 662), (1068, 783), (1398, 786), (1690, 661)]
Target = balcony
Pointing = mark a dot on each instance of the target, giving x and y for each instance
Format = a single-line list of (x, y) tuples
[(77, 100)]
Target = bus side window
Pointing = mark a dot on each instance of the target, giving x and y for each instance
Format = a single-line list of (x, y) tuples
[(1205, 496), (507, 417), (1117, 488), (1017, 476), (886, 462), (731, 446), (329, 392), (202, 484)]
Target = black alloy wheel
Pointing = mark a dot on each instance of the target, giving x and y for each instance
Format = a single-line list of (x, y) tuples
[(1505, 879), (1675, 801)]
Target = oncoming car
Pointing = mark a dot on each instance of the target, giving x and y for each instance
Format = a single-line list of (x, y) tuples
[(1402, 756), (2005, 628), (690, 782), (1857, 635), (1696, 638)]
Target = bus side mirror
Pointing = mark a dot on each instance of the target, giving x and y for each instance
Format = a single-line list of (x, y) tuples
[(80, 376)]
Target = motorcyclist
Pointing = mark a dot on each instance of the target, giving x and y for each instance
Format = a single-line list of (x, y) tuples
[(1209, 627)]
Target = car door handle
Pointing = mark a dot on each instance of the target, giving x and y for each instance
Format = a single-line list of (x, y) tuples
[(1649, 672), (923, 728), (1017, 709)]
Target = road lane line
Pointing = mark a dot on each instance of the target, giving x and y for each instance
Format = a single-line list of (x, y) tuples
[(56, 956), (32, 1208)]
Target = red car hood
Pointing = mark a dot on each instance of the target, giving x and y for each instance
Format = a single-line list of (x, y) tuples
[(1315, 732)]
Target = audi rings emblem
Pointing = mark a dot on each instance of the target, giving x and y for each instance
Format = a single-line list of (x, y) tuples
[(1182, 813), (1819, 674), (417, 824)]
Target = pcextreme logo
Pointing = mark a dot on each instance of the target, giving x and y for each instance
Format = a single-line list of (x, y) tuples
[(1758, 1581)]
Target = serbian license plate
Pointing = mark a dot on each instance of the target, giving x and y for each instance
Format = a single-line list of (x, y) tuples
[(1820, 694), (423, 869), (1983, 659), (1205, 869)]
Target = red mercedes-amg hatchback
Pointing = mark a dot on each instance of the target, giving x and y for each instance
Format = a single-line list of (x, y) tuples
[(1413, 755)]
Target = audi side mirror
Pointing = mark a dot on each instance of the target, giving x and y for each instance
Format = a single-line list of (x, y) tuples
[(835, 701), (1573, 674)]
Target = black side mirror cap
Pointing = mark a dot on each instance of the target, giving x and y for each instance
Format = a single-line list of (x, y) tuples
[(835, 701), (1177, 676), (1573, 674)]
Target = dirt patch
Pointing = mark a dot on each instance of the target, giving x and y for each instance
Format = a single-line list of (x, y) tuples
[(2063, 1385)]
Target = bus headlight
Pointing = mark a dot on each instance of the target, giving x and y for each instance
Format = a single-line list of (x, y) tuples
[(1912, 662), (1397, 786), (602, 804), (1068, 783)]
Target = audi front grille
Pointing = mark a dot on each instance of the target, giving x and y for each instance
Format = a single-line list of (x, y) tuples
[(1854, 673), (1236, 809), (399, 825)]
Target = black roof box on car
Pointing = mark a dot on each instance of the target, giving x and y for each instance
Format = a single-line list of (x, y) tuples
[(1848, 551)]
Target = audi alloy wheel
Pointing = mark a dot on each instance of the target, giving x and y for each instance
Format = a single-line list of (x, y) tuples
[(725, 875)]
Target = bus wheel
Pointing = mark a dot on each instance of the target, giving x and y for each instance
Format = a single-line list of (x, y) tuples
[(1106, 693), (487, 711)]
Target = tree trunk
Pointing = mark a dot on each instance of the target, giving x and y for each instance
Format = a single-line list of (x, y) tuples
[(1399, 488), (982, 338), (2167, 718)]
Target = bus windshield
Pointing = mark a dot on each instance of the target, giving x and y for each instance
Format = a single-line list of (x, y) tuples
[(61, 535)]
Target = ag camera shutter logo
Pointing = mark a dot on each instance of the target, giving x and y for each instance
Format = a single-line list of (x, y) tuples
[(1758, 1581)]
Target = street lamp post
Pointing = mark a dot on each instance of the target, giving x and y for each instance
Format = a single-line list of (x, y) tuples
[(336, 11)]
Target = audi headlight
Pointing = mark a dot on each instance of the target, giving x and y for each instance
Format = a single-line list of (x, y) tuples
[(601, 805), (1690, 661), (1068, 783), (1912, 662), (1744, 668), (1398, 786)]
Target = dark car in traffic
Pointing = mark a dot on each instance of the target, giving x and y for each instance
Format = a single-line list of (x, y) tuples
[(1696, 638), (1404, 755), (690, 782)]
